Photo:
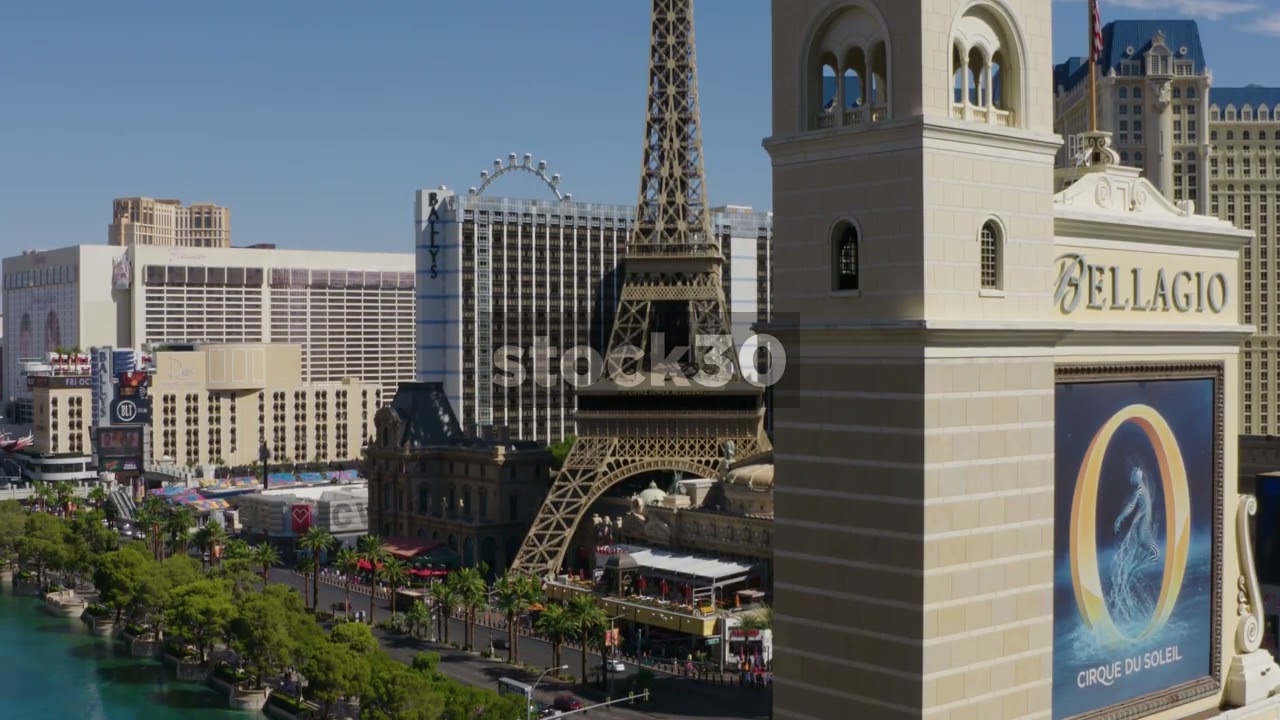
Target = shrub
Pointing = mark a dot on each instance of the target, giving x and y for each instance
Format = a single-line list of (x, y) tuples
[(98, 611), (288, 702), (230, 675)]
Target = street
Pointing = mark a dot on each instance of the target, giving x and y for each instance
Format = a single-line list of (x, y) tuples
[(672, 696)]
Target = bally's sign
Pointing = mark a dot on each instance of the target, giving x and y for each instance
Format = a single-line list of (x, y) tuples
[(1109, 287)]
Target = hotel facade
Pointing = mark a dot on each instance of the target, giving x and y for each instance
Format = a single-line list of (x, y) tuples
[(498, 272), (1217, 147), (351, 313)]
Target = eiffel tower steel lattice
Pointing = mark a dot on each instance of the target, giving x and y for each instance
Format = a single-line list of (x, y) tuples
[(686, 412)]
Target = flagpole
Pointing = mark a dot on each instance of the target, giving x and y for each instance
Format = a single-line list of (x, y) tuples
[(1093, 73)]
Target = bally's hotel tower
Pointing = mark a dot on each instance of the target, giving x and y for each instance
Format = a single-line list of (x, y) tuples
[(497, 272)]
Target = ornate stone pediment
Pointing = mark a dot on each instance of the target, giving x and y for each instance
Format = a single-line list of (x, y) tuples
[(1119, 191)]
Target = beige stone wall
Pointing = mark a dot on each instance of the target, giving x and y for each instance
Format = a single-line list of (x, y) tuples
[(61, 420)]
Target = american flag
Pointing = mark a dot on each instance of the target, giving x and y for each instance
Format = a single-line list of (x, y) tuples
[(1095, 30)]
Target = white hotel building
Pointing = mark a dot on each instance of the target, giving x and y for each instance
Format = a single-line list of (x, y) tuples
[(505, 271), (352, 313)]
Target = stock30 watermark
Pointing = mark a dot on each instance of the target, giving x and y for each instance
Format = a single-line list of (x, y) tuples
[(709, 362)]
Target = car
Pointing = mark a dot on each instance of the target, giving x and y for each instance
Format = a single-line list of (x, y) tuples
[(617, 666), (501, 644), (567, 702)]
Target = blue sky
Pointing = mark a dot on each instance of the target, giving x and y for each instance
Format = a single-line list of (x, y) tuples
[(315, 121)]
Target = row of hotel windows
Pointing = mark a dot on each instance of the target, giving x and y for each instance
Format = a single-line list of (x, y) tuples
[(75, 426), (845, 258), (1246, 114), (56, 275)]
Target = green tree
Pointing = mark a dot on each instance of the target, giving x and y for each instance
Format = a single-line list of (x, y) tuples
[(119, 577), (556, 623), (444, 599), (43, 545), (396, 692), (473, 593), (356, 636), (260, 633), (348, 562), (266, 556), (200, 613), (560, 451), (426, 662), (513, 595), (589, 620), (395, 574), (12, 522), (316, 541), (334, 672), (238, 549), (374, 552)]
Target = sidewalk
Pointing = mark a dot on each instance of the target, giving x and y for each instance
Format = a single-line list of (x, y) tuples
[(673, 695)]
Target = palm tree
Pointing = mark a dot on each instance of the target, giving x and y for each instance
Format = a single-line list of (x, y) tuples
[(316, 541), (373, 552), (555, 623), (472, 593), (395, 574), (419, 618), (444, 597), (588, 619), (348, 561), (43, 494), (98, 496), (63, 492), (265, 556), (177, 528), (208, 539), (513, 597), (238, 549), (151, 516)]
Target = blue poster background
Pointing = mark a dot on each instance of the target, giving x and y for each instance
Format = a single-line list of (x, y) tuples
[(1183, 645)]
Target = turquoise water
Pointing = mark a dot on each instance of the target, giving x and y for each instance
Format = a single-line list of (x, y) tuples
[(51, 668)]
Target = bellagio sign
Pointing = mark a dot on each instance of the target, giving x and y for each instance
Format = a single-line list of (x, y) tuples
[(1110, 287)]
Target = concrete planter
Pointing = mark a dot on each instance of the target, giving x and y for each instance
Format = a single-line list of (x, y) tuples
[(249, 700), (65, 603), (192, 672), (103, 627), (145, 648)]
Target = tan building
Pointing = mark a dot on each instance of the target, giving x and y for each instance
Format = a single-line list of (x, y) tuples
[(428, 481), (988, 387), (147, 221), (61, 422), (218, 404), (351, 312)]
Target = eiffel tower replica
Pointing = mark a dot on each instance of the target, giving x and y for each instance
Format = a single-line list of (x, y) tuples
[(654, 411)]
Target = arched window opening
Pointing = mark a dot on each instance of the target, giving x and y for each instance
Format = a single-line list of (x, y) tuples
[(878, 72), (1244, 135), (1191, 93), (855, 74), (1262, 134), (976, 76), (959, 74), (997, 80), (1137, 156), (845, 257), (1124, 93), (1137, 93), (990, 256), (830, 84)]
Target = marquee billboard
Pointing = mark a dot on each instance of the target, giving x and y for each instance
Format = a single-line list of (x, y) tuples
[(1137, 546)]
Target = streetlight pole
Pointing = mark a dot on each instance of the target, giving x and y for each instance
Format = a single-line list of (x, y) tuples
[(263, 456), (528, 701)]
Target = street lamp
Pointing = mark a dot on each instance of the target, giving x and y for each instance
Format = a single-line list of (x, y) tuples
[(528, 706), (263, 456)]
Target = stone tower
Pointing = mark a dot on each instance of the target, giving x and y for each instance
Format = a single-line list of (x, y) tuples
[(913, 160)]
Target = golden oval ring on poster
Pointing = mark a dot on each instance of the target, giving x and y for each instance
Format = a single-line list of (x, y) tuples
[(1085, 576)]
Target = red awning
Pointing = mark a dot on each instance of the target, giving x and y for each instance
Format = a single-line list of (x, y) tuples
[(364, 564), (429, 573), (406, 548)]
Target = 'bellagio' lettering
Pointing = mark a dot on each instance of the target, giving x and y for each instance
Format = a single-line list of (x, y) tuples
[(1107, 287)]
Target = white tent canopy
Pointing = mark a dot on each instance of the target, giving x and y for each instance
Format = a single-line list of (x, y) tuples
[(683, 564)]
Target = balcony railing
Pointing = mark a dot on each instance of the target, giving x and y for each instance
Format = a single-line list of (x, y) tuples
[(980, 114), (852, 117)]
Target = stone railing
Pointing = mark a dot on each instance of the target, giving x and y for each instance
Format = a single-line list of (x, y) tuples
[(980, 114)]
